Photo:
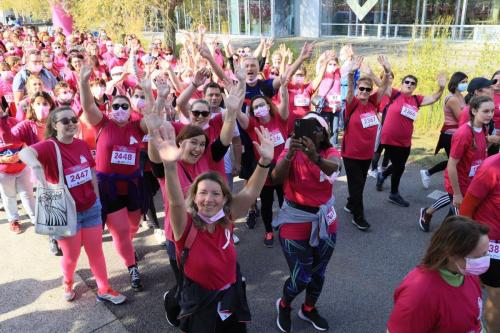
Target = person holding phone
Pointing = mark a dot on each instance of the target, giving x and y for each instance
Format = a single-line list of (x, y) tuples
[(307, 222)]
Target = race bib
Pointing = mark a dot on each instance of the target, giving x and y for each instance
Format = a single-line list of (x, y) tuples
[(494, 249), (331, 216), (369, 119), (277, 138), (474, 167), (333, 99), (123, 155), (409, 111), (78, 175), (9, 97), (301, 100)]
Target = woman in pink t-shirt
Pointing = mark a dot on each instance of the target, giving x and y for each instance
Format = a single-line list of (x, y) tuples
[(443, 293), (468, 151)]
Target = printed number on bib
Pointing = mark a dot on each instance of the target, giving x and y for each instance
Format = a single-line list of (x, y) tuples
[(301, 100), (331, 216), (78, 175), (409, 111), (333, 99), (277, 138), (494, 250), (123, 155), (474, 167), (369, 119), (9, 97)]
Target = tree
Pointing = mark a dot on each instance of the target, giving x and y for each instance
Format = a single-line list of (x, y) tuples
[(166, 9)]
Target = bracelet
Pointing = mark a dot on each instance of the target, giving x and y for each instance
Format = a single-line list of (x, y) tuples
[(264, 166)]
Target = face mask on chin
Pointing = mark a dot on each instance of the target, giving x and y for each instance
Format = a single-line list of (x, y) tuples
[(252, 81), (210, 220)]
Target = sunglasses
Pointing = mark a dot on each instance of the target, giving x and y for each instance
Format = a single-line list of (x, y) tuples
[(411, 83), (364, 89), (168, 53), (66, 121), (198, 113), (123, 106)]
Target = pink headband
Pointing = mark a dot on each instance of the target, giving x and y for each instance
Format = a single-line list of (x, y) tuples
[(320, 120)]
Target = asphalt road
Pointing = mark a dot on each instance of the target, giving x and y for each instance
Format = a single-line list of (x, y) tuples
[(360, 280)]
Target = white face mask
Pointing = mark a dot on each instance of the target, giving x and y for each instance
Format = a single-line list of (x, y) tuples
[(330, 68), (261, 112), (120, 115), (249, 81), (169, 57), (97, 92), (66, 98), (41, 111), (213, 219), (36, 68)]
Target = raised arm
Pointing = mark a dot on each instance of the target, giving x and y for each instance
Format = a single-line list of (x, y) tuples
[(205, 53), (258, 50), (233, 103), (350, 78), (382, 88), (305, 54), (283, 107), (437, 95), (182, 101), (164, 141), (240, 116), (247, 196), (91, 114)]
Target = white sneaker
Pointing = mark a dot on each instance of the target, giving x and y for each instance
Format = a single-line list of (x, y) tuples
[(426, 178), (160, 236), (111, 296), (372, 173), (236, 239)]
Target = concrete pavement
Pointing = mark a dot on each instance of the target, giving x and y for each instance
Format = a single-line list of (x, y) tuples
[(357, 296)]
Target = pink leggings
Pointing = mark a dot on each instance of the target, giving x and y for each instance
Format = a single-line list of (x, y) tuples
[(123, 226), (91, 238)]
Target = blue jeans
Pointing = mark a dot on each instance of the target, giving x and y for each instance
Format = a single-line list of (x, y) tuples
[(91, 217), (307, 267)]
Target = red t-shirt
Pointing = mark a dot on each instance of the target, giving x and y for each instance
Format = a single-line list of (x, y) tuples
[(464, 116), (278, 129), (359, 137), (9, 146), (212, 258), (29, 131), (77, 163), (486, 187), (426, 303), (118, 149), (299, 99), (398, 125), (306, 185), (469, 158)]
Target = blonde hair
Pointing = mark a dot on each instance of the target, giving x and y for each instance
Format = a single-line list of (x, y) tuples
[(366, 79)]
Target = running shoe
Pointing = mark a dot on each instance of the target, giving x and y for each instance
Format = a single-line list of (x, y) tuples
[(236, 239), (135, 278), (69, 293), (172, 308), (426, 178), (380, 181), (269, 239), (347, 209), (251, 219), (54, 247), (372, 173), (15, 227), (111, 296), (425, 220), (361, 224), (314, 318), (397, 199), (160, 236), (283, 320)]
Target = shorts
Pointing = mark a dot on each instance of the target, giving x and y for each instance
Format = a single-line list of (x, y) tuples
[(91, 217), (492, 276)]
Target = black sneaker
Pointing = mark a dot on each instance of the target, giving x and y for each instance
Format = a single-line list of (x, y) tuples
[(135, 278), (380, 181), (283, 320), (172, 308), (54, 247), (347, 209), (314, 318), (251, 219), (269, 239), (425, 220), (397, 199), (361, 224)]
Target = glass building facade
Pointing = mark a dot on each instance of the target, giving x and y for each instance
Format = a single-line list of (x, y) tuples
[(462, 19)]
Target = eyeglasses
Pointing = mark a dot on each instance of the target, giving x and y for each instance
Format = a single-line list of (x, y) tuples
[(410, 83), (198, 113), (65, 121), (123, 106), (364, 89)]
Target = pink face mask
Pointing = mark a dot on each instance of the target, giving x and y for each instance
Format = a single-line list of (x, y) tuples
[(120, 115), (261, 112), (36, 68), (213, 219), (138, 103), (298, 79), (41, 111), (475, 266), (252, 81)]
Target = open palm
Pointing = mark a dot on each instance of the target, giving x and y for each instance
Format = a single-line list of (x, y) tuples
[(164, 142)]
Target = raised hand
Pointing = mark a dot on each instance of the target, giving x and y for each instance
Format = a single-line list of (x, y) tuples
[(163, 139), (234, 100), (269, 43), (384, 62), (240, 74), (265, 147), (204, 50), (85, 71), (356, 64), (200, 76), (162, 86), (441, 79), (307, 50)]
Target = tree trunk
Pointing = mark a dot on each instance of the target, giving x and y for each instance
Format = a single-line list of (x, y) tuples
[(169, 22)]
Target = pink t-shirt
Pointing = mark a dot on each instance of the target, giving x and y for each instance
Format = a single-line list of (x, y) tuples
[(329, 88), (469, 158), (496, 116), (464, 116), (486, 187), (426, 303), (398, 126)]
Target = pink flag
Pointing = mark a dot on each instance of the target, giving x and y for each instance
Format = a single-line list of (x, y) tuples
[(62, 19)]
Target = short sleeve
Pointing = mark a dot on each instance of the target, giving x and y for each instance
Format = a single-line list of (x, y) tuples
[(351, 106), (420, 99), (459, 144), (483, 183), (43, 150)]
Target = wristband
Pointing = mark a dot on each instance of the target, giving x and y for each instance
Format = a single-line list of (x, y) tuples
[(264, 166)]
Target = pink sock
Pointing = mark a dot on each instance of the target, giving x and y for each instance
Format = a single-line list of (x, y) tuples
[(70, 247), (134, 218), (92, 242), (119, 228)]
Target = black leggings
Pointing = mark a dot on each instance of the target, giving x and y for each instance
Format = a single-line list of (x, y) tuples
[(376, 158), (266, 204), (151, 186), (445, 142), (398, 157), (356, 171)]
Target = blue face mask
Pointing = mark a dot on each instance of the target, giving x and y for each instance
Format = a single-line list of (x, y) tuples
[(462, 87)]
